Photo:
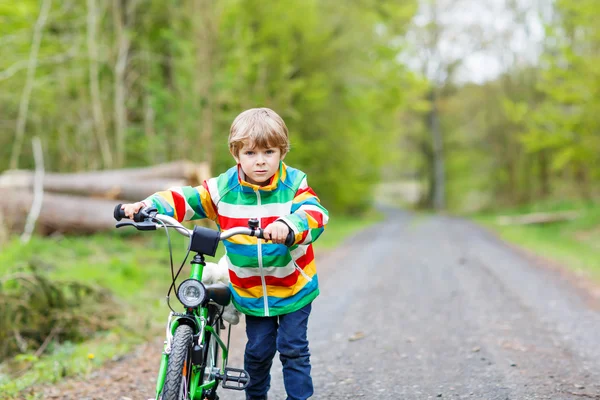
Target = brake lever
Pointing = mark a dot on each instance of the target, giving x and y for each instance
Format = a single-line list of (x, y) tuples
[(146, 225), (121, 224)]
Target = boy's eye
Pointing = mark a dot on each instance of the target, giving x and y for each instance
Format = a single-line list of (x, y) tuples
[(249, 153), (270, 151)]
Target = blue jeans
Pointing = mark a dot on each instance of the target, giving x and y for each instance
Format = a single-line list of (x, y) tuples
[(286, 334)]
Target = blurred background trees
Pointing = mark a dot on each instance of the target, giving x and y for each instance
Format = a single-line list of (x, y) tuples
[(372, 90)]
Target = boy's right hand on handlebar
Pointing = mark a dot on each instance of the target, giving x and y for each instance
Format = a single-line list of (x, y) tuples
[(130, 209)]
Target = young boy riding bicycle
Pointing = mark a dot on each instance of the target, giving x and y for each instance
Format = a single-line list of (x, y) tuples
[(273, 285)]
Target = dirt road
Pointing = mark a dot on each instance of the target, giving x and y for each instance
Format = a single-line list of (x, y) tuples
[(424, 309)]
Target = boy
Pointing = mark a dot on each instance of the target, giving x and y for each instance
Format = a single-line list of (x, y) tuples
[(272, 284)]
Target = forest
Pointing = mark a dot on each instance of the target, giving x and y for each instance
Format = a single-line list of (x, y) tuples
[(483, 108), (113, 84)]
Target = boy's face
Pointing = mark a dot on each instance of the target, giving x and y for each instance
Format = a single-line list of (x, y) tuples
[(259, 163)]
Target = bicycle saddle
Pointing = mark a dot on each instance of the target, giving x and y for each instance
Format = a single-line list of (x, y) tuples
[(219, 293)]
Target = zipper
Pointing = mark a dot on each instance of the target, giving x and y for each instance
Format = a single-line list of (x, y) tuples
[(260, 262), (304, 274)]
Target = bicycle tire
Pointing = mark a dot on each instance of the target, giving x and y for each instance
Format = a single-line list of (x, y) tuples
[(179, 365)]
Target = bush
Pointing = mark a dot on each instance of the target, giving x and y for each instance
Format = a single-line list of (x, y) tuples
[(37, 311)]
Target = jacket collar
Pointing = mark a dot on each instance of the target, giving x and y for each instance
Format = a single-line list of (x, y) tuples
[(271, 186)]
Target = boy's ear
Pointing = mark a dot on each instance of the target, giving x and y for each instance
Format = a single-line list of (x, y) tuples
[(236, 158), (283, 156)]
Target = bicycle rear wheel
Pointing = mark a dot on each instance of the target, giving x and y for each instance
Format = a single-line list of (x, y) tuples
[(177, 381)]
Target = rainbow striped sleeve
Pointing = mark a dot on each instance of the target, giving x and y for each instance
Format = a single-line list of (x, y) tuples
[(308, 218), (184, 203)]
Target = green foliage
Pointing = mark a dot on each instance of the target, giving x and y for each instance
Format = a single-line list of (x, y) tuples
[(530, 134), (328, 72), (329, 69), (564, 123), (356, 113)]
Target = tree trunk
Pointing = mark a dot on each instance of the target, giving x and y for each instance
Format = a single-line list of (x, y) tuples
[(512, 194), (120, 107), (129, 184), (439, 175), (150, 132), (26, 94), (544, 174), (98, 114), (582, 181), (427, 171), (205, 56), (527, 177)]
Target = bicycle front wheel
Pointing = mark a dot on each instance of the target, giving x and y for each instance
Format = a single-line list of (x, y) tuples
[(177, 381)]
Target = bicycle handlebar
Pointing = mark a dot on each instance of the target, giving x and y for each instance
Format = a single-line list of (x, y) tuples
[(144, 220)]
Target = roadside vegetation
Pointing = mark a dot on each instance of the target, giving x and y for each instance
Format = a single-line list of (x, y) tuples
[(574, 243)]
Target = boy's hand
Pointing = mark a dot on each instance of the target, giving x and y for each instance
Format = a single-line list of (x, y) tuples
[(131, 209), (277, 232)]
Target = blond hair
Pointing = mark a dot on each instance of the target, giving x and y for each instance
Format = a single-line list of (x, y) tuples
[(258, 127)]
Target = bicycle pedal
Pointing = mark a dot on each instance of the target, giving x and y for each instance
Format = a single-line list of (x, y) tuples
[(234, 378)]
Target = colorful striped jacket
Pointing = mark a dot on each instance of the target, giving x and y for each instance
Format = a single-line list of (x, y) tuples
[(267, 279)]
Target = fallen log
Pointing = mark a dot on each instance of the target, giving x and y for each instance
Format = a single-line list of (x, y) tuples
[(84, 202), (128, 184), (537, 218), (59, 213), (124, 188), (173, 170)]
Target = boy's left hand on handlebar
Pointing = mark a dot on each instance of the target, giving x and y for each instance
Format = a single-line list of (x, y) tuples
[(131, 209), (276, 232)]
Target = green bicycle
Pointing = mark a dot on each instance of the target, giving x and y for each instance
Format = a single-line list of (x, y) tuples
[(190, 367)]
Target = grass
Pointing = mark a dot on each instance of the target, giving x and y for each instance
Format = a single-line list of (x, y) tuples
[(68, 359), (134, 269), (134, 266), (341, 227), (575, 243)]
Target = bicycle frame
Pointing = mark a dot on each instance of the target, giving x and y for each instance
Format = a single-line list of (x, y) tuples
[(198, 319)]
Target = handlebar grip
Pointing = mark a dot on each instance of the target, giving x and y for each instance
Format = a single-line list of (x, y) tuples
[(139, 216), (290, 239), (119, 214)]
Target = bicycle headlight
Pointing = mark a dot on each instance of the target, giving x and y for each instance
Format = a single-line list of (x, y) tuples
[(191, 293)]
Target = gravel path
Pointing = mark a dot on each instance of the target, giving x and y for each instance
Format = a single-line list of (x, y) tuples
[(422, 308)]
